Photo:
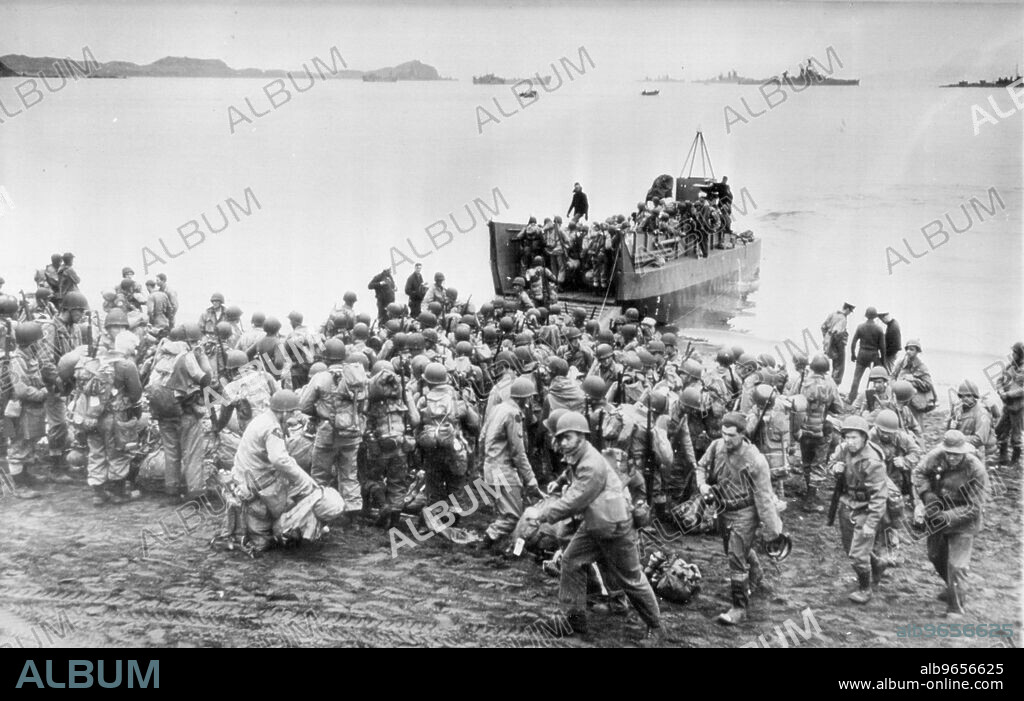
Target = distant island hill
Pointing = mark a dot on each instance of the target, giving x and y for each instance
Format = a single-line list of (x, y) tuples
[(16, 65)]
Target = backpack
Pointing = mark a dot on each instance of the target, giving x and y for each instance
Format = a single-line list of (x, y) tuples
[(350, 393), (439, 414), (163, 404), (94, 381)]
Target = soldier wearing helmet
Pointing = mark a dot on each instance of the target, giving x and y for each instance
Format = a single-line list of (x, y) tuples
[(822, 399), (562, 392), (574, 352), (254, 335), (338, 398), (247, 393), (301, 346), (1010, 386), (910, 368), (391, 419), (506, 465), (862, 504), (28, 392), (770, 430), (605, 365), (972, 418), (735, 476), (954, 487), (213, 314), (901, 453), (446, 418), (597, 493), (263, 460), (437, 292)]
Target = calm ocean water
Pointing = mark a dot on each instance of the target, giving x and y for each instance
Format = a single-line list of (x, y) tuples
[(347, 170)]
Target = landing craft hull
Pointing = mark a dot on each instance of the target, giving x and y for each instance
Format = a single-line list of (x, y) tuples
[(683, 287)]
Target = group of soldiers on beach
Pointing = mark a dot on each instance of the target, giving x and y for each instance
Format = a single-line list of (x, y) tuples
[(587, 432)]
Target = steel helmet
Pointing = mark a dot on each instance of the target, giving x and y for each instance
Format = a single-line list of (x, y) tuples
[(66, 365), (632, 314), (115, 317), (903, 390), (525, 359), (419, 365), (464, 349), (224, 330), (523, 339), (724, 357), (669, 339), (646, 358), (438, 277), (691, 368), (736, 351), (427, 320), (393, 326), (691, 398), (489, 334), (572, 421), (429, 336), (521, 388), (360, 332), (498, 303), (295, 317), (606, 336), (519, 282), (887, 421), (284, 400), (592, 327), (779, 548), (819, 363), (762, 394), (557, 366), (27, 333), (364, 318), (236, 359), (109, 294), (506, 324), (215, 297), (192, 331), (912, 343), (533, 311), (435, 374), (334, 349), (76, 458), (604, 351), (855, 423), (504, 360), (486, 308), (415, 341), (595, 387), (75, 300), (462, 333), (572, 333), (8, 305), (177, 333), (628, 331), (451, 293), (878, 373), (383, 366), (400, 340), (955, 442), (748, 361), (317, 367), (579, 313), (871, 312), (551, 423), (656, 347), (394, 309), (258, 318), (350, 297), (967, 388), (632, 361), (658, 401), (435, 308), (233, 313), (766, 361)]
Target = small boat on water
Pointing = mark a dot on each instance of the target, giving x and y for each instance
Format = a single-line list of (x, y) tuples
[(528, 93), (662, 278), (650, 93)]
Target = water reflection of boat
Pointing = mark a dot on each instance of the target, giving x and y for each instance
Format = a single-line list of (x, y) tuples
[(655, 275), (650, 92)]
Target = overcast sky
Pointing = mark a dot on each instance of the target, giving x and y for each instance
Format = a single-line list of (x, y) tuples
[(918, 40)]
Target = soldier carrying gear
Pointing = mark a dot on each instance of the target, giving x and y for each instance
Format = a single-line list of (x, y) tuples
[(338, 398), (392, 417), (247, 393), (736, 476), (863, 487), (272, 499), (972, 418), (822, 398), (506, 466), (769, 429), (445, 418), (25, 413), (901, 454), (954, 486), (1011, 390)]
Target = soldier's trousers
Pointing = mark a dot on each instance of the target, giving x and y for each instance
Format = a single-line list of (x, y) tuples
[(1008, 430), (508, 507), (386, 473), (56, 423), (620, 556), (739, 527), (336, 464), (813, 453), (863, 550), (259, 522), (447, 471), (864, 361), (951, 555), (838, 366), (108, 458), (184, 446)]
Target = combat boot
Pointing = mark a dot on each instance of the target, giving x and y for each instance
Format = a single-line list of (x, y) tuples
[(1015, 460), (878, 568), (654, 637), (1004, 454), (863, 593), (99, 495), (738, 613), (115, 492), (810, 504), (23, 487), (58, 470)]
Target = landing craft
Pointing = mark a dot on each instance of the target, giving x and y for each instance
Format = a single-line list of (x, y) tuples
[(663, 278)]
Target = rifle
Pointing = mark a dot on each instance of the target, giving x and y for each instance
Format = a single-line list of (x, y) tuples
[(648, 450), (23, 305), (619, 389), (760, 419), (833, 506)]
